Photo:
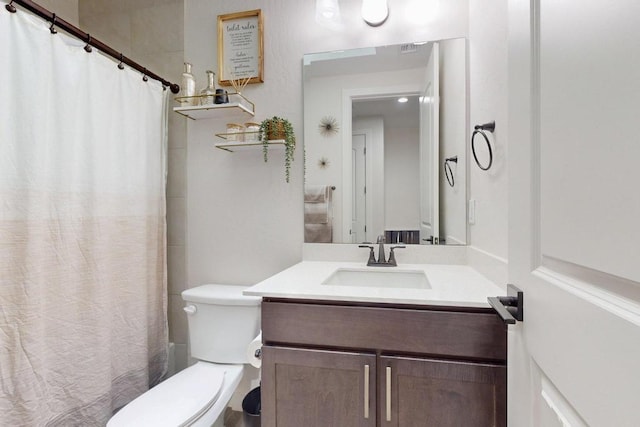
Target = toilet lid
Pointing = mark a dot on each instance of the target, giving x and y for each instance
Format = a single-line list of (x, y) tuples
[(178, 401), (221, 294)]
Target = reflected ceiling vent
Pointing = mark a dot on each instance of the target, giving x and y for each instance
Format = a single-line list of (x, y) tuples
[(408, 48)]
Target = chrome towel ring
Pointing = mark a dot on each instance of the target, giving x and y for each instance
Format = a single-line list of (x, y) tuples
[(479, 129)]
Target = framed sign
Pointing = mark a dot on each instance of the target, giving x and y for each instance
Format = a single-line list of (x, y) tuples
[(240, 48)]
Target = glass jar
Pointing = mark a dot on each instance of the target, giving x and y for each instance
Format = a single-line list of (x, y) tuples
[(188, 87), (208, 94), (252, 132), (234, 132)]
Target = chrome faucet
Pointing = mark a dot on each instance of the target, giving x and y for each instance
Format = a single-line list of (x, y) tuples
[(381, 261)]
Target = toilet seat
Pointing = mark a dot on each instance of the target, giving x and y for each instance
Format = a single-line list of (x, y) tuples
[(182, 399)]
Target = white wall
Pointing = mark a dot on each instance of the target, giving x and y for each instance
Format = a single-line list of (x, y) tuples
[(324, 96), (453, 139), (401, 177), (244, 221), (488, 101)]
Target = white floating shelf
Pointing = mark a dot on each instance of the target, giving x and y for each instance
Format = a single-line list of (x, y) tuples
[(237, 105), (244, 135), (244, 146)]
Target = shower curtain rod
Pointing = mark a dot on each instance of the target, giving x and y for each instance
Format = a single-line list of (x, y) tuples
[(86, 37)]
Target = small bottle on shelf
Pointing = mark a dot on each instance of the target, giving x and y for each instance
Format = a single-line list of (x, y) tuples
[(188, 87), (208, 94)]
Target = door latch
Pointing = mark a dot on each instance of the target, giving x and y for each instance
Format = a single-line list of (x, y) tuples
[(509, 308)]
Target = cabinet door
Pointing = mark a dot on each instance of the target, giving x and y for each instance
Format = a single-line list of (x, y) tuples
[(428, 392), (310, 388)]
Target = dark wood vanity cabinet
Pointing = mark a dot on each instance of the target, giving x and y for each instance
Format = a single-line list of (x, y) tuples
[(318, 388), (431, 392), (337, 364)]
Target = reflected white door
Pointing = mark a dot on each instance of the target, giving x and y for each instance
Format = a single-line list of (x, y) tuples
[(359, 203), (573, 162), (429, 151)]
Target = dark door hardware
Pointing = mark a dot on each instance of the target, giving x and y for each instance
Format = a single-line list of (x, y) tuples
[(509, 308), (479, 130), (448, 172), (434, 240)]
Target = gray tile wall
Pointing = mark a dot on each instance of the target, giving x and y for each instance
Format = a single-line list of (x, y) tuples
[(65, 9), (151, 32)]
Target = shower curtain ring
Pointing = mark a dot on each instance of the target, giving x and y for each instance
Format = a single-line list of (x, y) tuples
[(10, 7), (88, 48), (144, 76), (121, 65), (53, 23)]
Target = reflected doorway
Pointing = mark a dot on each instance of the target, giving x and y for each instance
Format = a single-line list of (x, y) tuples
[(359, 190)]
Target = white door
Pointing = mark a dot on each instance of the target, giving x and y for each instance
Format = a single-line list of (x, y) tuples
[(359, 193), (429, 151), (574, 212)]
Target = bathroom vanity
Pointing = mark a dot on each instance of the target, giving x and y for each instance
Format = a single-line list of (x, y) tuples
[(381, 355)]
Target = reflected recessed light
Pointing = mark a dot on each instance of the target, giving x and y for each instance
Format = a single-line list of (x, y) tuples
[(403, 99), (328, 13)]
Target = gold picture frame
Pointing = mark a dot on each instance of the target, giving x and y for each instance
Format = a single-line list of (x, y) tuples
[(240, 48)]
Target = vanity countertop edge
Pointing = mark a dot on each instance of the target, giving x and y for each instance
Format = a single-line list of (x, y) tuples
[(451, 285)]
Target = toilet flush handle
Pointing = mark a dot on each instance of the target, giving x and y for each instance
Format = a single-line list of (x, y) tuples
[(190, 310)]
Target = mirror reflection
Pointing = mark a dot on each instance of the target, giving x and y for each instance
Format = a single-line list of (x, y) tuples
[(380, 124)]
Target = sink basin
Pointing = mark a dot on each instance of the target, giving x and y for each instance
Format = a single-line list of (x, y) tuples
[(384, 277)]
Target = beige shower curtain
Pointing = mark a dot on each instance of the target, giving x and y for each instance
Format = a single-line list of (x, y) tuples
[(83, 327)]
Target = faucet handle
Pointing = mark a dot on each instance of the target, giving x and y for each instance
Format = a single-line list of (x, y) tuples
[(381, 239), (372, 257), (392, 256)]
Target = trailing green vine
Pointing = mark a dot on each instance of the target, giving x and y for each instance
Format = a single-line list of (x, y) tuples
[(279, 128)]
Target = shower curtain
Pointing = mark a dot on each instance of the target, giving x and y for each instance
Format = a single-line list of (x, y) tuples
[(83, 324)]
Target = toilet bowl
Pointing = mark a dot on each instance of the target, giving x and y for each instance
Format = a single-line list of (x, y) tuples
[(222, 323)]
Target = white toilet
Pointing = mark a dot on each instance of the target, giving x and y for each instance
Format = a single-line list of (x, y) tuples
[(222, 323)]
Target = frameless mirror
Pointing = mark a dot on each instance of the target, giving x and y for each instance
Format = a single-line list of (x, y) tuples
[(384, 134)]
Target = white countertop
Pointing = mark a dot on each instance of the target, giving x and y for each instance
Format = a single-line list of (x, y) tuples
[(451, 285)]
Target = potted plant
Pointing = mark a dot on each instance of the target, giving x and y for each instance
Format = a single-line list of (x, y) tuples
[(278, 128)]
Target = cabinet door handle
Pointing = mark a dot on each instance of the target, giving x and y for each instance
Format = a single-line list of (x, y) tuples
[(388, 393), (366, 392)]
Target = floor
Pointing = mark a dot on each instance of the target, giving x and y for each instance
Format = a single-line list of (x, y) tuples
[(234, 419)]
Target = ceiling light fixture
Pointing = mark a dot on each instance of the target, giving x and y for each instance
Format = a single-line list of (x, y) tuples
[(403, 99), (375, 12)]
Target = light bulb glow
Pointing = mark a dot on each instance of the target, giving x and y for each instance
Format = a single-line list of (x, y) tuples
[(374, 12), (403, 99)]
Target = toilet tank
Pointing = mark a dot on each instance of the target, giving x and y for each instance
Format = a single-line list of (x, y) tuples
[(222, 322)]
